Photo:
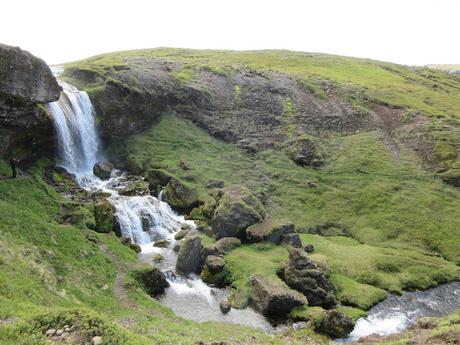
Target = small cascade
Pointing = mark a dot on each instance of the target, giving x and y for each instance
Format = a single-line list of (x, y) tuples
[(144, 219)]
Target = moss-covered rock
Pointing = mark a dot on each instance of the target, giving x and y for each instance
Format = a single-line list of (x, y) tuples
[(306, 151), (189, 257), (237, 209), (222, 246), (157, 178), (274, 300), (134, 186), (270, 230), (215, 272), (152, 280), (103, 170), (180, 195), (336, 324), (104, 214)]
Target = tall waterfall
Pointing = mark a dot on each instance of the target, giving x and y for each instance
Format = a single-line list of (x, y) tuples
[(142, 218), (78, 142)]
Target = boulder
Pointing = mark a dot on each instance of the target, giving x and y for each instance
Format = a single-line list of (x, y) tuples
[(336, 324), (104, 215), (274, 300), (157, 178), (237, 209), (292, 239), (161, 244), (222, 246), (134, 186), (152, 280), (215, 272), (184, 165), (103, 170), (305, 151), (181, 196), (215, 184), (303, 275), (189, 257), (309, 248), (270, 230), (225, 307), (181, 234)]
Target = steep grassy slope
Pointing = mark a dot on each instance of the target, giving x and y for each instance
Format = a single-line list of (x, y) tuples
[(54, 274)]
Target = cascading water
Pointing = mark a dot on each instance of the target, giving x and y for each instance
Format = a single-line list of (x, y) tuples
[(144, 219)]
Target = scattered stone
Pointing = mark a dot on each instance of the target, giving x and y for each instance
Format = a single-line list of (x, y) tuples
[(292, 239), (153, 280), (97, 340), (269, 230), (103, 170), (50, 332), (299, 325), (158, 258), (184, 165), (336, 324), (134, 246), (161, 244), (67, 328), (189, 257), (303, 275), (125, 240), (237, 209), (274, 300), (215, 184), (312, 184), (225, 307), (222, 246), (59, 332), (309, 248)]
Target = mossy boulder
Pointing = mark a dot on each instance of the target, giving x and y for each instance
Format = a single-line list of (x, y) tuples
[(152, 280), (305, 151), (104, 215), (237, 209), (336, 324), (452, 177), (303, 275), (189, 257), (180, 195), (222, 246), (215, 272), (274, 299), (103, 170), (157, 178), (134, 186), (270, 230)]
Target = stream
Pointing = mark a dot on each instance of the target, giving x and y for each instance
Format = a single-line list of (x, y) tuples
[(145, 219)]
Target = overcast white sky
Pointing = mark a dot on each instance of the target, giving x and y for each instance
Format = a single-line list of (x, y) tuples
[(412, 32)]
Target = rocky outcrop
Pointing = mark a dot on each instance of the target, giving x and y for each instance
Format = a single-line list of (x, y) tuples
[(237, 209), (104, 214), (103, 170), (303, 275), (215, 271), (181, 196), (189, 257), (26, 82), (152, 280), (222, 246), (274, 300), (270, 230), (305, 151)]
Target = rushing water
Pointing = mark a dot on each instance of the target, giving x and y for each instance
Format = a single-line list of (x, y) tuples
[(144, 219), (396, 313)]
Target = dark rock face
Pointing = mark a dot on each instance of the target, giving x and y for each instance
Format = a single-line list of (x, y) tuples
[(293, 239), (104, 214), (238, 208), (305, 152), (309, 248), (189, 257), (152, 280), (222, 246), (181, 196), (274, 300), (103, 170), (303, 275), (25, 82), (336, 324), (269, 230), (26, 76)]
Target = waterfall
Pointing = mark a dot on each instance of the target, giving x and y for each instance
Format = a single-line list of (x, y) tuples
[(142, 218), (78, 142)]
